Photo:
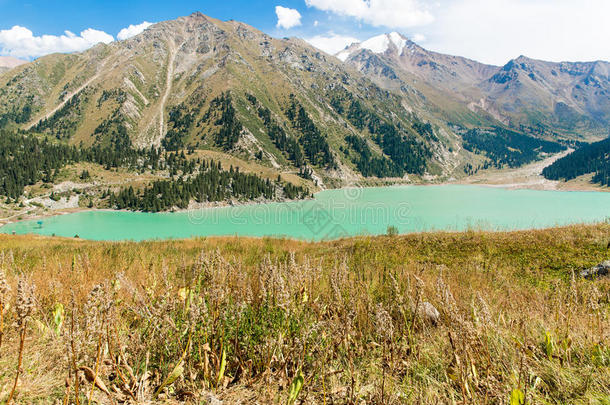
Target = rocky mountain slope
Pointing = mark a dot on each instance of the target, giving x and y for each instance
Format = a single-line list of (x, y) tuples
[(572, 99), (8, 62), (201, 83), (386, 108)]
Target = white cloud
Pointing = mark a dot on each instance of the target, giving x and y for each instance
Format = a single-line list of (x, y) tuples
[(20, 42), (387, 13), (287, 17), (331, 43), (132, 30), (494, 31), (490, 31), (418, 38)]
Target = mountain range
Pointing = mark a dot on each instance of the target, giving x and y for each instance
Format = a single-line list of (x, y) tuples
[(572, 99), (8, 62), (382, 108)]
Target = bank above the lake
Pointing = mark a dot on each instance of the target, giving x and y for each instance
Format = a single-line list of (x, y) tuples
[(334, 214)]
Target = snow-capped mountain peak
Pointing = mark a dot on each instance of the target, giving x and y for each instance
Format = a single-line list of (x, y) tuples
[(379, 44), (399, 41)]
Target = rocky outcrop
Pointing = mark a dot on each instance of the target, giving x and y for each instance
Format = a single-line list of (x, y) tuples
[(595, 272)]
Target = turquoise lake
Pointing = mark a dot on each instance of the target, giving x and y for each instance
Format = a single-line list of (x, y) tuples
[(339, 213)]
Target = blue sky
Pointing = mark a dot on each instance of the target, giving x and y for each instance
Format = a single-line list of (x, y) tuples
[(54, 17), (492, 31)]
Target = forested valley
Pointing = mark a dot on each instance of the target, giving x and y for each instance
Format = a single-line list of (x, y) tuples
[(589, 158), (506, 148)]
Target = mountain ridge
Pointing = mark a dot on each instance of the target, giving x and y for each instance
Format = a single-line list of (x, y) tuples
[(198, 83), (9, 62), (573, 97), (186, 83)]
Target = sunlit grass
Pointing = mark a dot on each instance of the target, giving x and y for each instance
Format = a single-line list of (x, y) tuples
[(281, 321)]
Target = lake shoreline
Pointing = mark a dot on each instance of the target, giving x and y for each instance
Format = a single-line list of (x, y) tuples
[(194, 207), (527, 177), (341, 212), (530, 177)]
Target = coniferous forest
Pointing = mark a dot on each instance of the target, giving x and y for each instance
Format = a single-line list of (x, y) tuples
[(230, 127), (26, 160), (314, 143), (506, 148), (406, 153), (591, 158), (370, 165), (284, 142), (212, 183), (180, 122)]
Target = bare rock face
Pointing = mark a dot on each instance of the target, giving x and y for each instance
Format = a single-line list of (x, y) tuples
[(428, 313), (601, 270)]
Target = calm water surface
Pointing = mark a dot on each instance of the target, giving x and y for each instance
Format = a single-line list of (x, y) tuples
[(337, 213)]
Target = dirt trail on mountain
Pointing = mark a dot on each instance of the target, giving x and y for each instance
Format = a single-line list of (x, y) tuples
[(69, 96), (173, 50)]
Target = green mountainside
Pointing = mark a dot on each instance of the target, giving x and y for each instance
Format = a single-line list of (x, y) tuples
[(279, 109), (199, 83)]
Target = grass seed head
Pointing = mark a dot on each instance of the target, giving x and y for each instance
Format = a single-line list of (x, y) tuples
[(25, 301), (383, 323), (5, 288)]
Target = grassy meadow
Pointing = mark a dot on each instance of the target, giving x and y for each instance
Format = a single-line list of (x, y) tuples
[(278, 321)]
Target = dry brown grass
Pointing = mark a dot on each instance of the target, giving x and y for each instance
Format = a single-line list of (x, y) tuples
[(346, 314)]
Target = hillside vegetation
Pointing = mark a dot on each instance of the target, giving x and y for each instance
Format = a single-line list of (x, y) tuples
[(197, 83), (508, 148), (592, 158), (279, 321), (200, 84), (180, 180)]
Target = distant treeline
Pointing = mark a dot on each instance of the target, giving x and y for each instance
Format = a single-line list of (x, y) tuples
[(590, 158), (504, 147), (212, 183), (27, 159)]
